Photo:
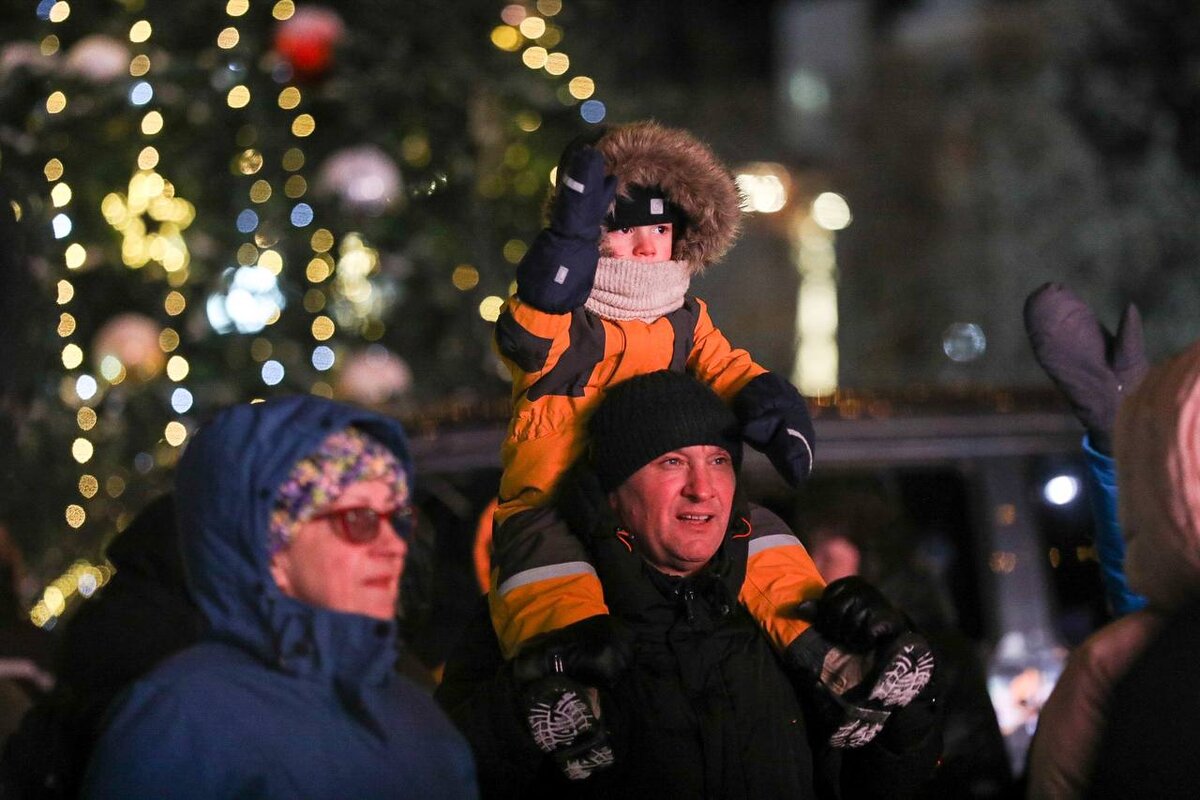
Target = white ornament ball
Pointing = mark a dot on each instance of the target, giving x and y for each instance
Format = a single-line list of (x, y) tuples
[(98, 58), (374, 376), (363, 177), (132, 339)]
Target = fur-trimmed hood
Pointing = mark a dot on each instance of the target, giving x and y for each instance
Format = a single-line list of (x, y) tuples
[(649, 154), (1158, 469)]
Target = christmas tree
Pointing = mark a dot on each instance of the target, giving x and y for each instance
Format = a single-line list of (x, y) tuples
[(218, 202)]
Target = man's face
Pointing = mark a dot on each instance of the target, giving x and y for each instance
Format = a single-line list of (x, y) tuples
[(319, 566), (677, 507), (646, 243)]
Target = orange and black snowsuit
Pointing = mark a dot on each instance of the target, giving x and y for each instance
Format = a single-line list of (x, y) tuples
[(561, 365), (580, 323)]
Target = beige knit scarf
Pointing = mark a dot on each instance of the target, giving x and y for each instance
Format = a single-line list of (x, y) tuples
[(627, 289)]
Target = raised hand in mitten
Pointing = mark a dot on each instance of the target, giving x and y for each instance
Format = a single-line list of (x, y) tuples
[(1093, 368), (558, 270), (775, 421)]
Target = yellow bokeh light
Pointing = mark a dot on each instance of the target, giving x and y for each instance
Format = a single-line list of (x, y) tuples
[(72, 356), (75, 515), (552, 37), (59, 11), (534, 57), (152, 123), (235, 8), (249, 161), (247, 254), (314, 300), (831, 211), (140, 31), (238, 97), (82, 450), (322, 241), (75, 255), (514, 250), (65, 292), (115, 486), (271, 261), (168, 340), (174, 433), (318, 270), (260, 191), (489, 307), (49, 46), (261, 349), (88, 485), (148, 158), (112, 369), (60, 195), (284, 9), (529, 121), (139, 66), (557, 63), (532, 27), (415, 149), (56, 102), (582, 87), (303, 125), (85, 418), (289, 98), (228, 38), (177, 368), (322, 389), (465, 277), (295, 186), (323, 328), (506, 38), (174, 303), (293, 159), (53, 169), (549, 8), (66, 325)]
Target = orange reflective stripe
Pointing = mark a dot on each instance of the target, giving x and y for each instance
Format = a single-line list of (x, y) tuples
[(778, 580), (544, 605)]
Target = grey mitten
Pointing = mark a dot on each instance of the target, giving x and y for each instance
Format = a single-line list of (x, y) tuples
[(1091, 366)]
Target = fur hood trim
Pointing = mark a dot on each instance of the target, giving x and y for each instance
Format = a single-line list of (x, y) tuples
[(649, 154)]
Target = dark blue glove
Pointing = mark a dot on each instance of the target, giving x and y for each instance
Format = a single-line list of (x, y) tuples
[(775, 422), (558, 270)]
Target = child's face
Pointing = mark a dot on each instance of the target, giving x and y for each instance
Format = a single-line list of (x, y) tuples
[(646, 243)]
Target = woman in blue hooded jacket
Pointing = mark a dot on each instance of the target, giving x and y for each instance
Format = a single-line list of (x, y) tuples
[(293, 515)]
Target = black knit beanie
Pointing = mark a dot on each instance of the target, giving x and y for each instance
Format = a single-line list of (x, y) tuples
[(648, 415)]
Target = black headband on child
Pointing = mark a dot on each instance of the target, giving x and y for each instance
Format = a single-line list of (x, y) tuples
[(645, 205)]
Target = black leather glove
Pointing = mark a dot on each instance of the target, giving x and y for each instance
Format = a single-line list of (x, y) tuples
[(855, 615), (1093, 368), (595, 650), (558, 271), (775, 421)]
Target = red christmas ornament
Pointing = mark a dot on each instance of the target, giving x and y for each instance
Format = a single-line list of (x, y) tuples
[(307, 39)]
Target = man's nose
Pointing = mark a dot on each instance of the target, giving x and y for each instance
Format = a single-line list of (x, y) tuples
[(699, 485)]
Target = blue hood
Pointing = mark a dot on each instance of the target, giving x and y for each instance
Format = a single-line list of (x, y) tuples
[(226, 485)]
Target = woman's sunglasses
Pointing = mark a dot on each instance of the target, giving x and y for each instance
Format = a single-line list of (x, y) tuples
[(361, 525)]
